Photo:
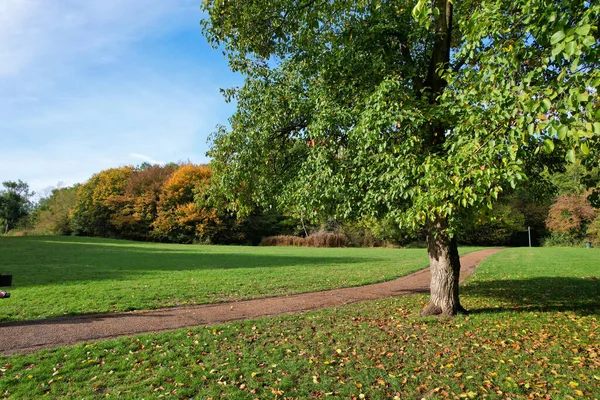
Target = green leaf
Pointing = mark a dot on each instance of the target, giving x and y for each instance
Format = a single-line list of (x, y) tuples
[(571, 155), (570, 48), (562, 132), (549, 145), (583, 30), (557, 37), (584, 148), (558, 49), (546, 104), (589, 41)]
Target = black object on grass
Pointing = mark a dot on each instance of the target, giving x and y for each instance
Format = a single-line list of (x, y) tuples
[(5, 280)]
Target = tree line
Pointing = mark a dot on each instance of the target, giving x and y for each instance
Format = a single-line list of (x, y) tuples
[(182, 203), (162, 203)]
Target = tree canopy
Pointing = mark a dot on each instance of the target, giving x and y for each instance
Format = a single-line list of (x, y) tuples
[(420, 111), (15, 203)]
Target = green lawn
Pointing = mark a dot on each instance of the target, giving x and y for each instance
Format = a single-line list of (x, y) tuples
[(534, 331), (56, 276)]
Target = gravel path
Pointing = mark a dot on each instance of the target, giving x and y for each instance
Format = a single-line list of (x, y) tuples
[(30, 336)]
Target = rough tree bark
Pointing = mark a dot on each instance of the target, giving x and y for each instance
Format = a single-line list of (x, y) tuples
[(444, 264), (444, 261)]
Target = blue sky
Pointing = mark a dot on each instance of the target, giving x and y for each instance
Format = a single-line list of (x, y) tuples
[(89, 85)]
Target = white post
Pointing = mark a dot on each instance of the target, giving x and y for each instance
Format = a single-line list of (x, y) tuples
[(529, 234)]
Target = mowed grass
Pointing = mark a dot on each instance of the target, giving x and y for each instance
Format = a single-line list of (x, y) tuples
[(54, 276), (533, 332)]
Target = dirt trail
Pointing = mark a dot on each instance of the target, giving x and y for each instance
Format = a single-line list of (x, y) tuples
[(29, 336)]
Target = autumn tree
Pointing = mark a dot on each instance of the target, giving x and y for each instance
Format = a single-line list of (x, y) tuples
[(179, 217), (134, 211), (422, 112), (571, 214), (91, 214)]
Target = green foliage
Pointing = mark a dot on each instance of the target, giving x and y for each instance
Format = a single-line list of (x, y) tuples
[(53, 214), (499, 228), (593, 231), (384, 109), (558, 239), (576, 178), (534, 333), (15, 204)]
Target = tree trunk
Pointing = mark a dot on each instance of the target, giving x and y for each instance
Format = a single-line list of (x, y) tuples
[(444, 264)]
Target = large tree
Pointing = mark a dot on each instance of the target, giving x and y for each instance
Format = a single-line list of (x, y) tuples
[(420, 111)]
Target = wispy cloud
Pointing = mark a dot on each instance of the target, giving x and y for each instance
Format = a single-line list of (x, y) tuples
[(94, 84), (146, 158), (34, 32)]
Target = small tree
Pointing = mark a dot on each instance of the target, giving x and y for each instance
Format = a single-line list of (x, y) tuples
[(53, 213), (417, 111), (15, 203)]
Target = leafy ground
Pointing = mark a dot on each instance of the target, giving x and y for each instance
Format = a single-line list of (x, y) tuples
[(534, 332), (56, 276)]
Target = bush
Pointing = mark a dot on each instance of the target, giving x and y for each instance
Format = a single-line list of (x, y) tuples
[(593, 232), (318, 239), (558, 239)]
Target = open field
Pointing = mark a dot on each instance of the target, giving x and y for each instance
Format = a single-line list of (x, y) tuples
[(56, 276), (534, 331)]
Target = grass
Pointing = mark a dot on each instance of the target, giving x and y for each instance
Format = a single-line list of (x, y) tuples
[(56, 276), (534, 332)]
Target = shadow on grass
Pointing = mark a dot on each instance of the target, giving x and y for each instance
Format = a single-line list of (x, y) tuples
[(83, 319), (543, 294), (64, 262)]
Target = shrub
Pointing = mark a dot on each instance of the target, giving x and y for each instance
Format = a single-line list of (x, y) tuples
[(593, 232), (558, 239), (318, 239)]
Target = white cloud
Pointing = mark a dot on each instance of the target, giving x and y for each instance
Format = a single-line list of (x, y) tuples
[(82, 89), (146, 158), (58, 32), (99, 128)]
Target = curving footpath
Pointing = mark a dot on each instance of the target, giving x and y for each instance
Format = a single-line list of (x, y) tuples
[(30, 336)]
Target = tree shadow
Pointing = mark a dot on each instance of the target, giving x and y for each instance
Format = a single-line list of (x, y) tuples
[(69, 261), (540, 294)]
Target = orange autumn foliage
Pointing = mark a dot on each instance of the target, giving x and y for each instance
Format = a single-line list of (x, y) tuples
[(179, 218), (134, 212)]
